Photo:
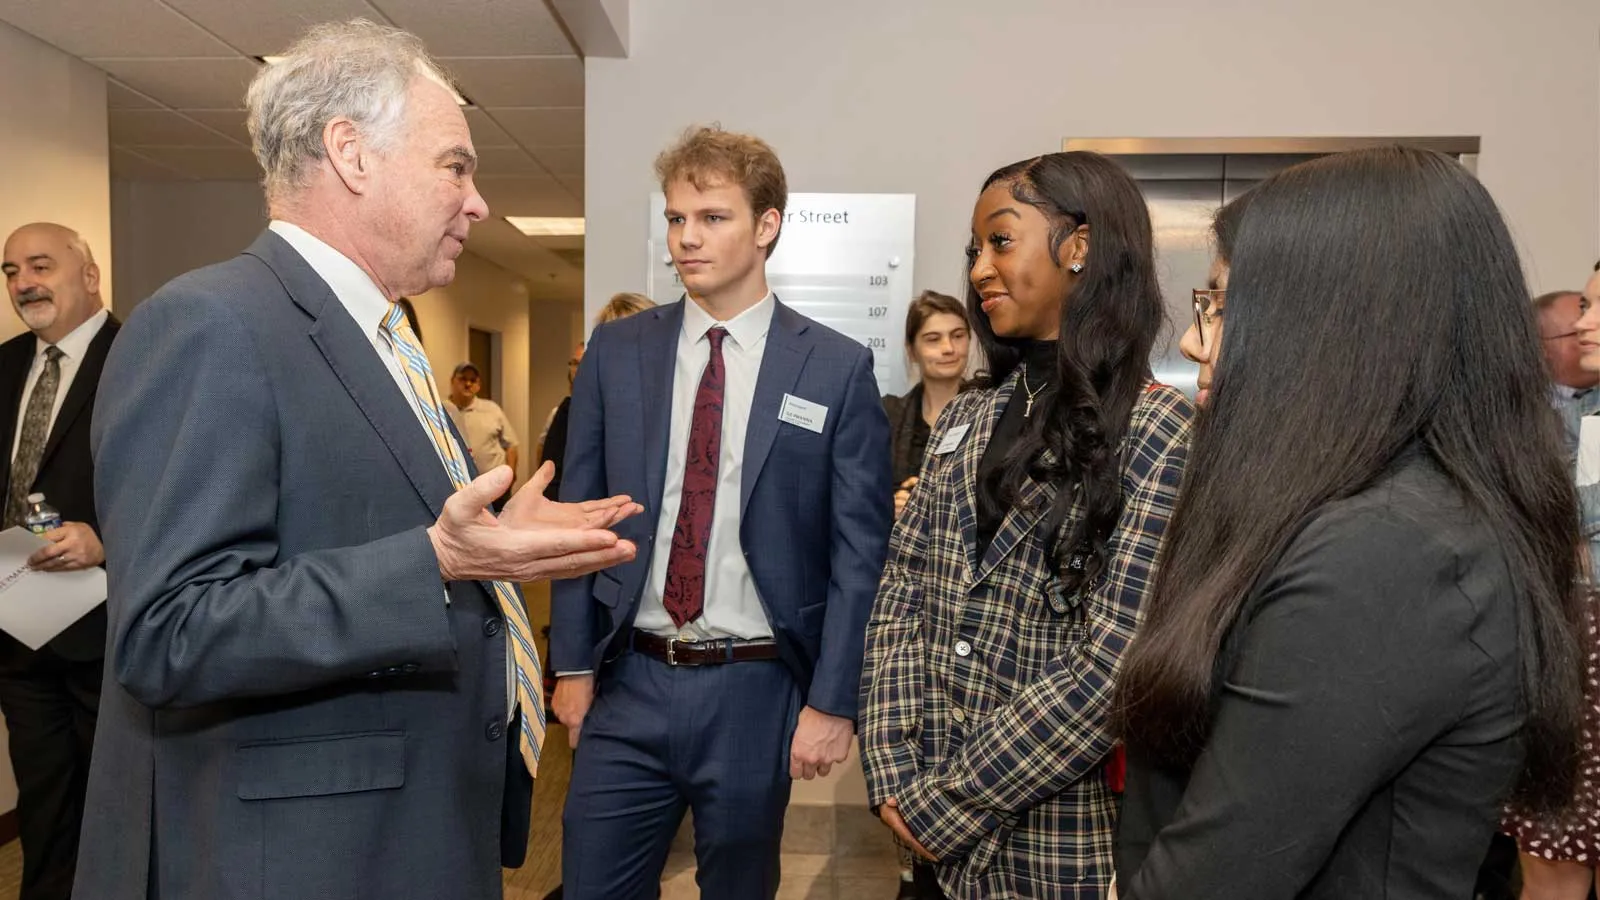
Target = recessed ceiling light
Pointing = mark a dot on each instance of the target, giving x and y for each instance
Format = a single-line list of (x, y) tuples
[(274, 60), (546, 226)]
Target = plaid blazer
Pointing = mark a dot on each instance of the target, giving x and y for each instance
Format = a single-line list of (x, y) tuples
[(986, 690)]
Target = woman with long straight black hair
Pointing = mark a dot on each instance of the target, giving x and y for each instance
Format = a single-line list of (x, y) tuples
[(1016, 574), (1363, 634)]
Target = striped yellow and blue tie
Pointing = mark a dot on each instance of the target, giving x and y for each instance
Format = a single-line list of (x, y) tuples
[(409, 351)]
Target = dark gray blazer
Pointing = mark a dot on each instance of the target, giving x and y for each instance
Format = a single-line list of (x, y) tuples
[(290, 708)]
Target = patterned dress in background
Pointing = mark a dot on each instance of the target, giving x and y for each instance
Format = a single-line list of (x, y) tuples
[(1575, 836)]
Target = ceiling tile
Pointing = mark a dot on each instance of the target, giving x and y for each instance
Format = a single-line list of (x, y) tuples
[(106, 28), (507, 161), (529, 196), (549, 273), (485, 133), (479, 27), (236, 164), (561, 127), (573, 185), (228, 121), (160, 128), (519, 80), (561, 160), (126, 166), (120, 96), (267, 29), (186, 83)]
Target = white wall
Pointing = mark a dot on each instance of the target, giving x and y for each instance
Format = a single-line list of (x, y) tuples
[(929, 96), (54, 148), (162, 229)]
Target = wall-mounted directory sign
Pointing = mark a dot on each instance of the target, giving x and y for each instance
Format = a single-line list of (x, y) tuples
[(844, 260)]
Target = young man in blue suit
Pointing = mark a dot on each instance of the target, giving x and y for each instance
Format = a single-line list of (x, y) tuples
[(724, 661)]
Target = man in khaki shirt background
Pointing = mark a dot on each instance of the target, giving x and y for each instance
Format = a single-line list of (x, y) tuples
[(483, 424)]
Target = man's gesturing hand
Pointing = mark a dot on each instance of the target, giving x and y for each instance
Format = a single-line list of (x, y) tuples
[(535, 539)]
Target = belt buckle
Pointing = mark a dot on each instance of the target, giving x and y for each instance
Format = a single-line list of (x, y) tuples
[(672, 645)]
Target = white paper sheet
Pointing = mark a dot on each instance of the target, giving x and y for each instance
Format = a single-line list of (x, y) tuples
[(37, 606)]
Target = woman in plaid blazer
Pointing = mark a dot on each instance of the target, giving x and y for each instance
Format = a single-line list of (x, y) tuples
[(1015, 576)]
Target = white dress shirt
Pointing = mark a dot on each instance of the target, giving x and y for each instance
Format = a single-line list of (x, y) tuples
[(72, 348), (732, 606), (361, 298)]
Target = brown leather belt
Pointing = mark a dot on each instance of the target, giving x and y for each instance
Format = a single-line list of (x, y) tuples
[(674, 652)]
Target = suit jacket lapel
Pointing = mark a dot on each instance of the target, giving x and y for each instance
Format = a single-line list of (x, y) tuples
[(658, 366), (1023, 515), (1020, 520), (781, 362), (964, 473), (83, 387), (351, 357), (13, 378)]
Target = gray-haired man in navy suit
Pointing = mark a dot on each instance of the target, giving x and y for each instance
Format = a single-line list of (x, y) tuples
[(320, 680)]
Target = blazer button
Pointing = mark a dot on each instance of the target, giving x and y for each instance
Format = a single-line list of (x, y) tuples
[(495, 731), (963, 649), (491, 627), (957, 714)]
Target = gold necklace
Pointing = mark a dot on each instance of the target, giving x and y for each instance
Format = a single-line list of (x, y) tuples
[(1032, 393)]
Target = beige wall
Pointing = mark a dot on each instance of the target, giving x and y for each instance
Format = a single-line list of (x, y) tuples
[(54, 149), (929, 96), (488, 297), (53, 145), (162, 229), (165, 228)]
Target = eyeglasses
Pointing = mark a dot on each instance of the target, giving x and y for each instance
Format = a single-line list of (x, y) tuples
[(1208, 302)]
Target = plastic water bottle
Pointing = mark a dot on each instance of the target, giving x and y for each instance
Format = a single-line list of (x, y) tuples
[(41, 516)]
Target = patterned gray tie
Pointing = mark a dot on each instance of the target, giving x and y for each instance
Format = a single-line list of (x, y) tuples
[(35, 431)]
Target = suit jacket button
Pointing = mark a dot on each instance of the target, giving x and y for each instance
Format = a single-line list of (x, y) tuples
[(411, 668), (491, 627), (495, 731), (963, 649)]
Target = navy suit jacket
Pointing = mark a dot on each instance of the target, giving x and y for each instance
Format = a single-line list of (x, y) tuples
[(816, 507), (290, 709)]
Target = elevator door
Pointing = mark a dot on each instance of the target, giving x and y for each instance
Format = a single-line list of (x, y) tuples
[(1185, 182)]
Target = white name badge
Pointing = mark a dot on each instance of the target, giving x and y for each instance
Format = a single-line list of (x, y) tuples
[(951, 440), (804, 413)]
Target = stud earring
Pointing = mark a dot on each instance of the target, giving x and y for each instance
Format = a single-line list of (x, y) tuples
[(1077, 268)]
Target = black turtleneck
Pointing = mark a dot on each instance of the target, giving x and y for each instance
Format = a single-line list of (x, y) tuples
[(1039, 368)]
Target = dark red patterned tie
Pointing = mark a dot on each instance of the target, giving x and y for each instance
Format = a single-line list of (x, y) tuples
[(685, 594)]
